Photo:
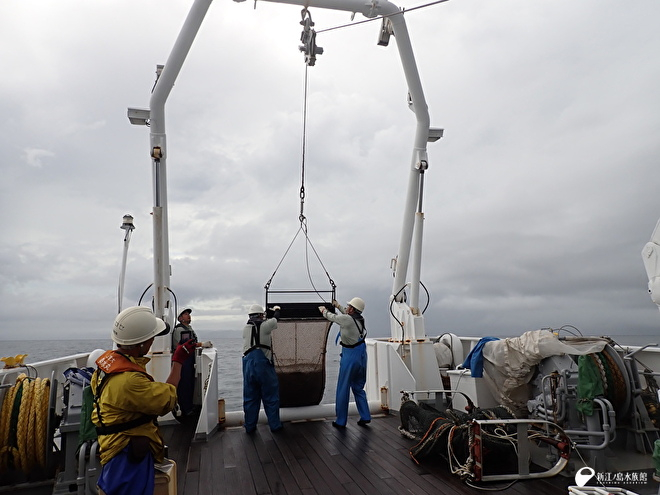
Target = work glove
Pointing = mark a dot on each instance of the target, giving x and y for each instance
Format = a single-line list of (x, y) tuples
[(206, 345), (335, 303), (273, 312), (183, 351), (321, 309)]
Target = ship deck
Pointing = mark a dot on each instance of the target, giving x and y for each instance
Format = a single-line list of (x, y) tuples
[(312, 457)]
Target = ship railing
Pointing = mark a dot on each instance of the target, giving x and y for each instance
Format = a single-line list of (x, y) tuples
[(441, 398), (606, 425), (207, 368), (525, 444)]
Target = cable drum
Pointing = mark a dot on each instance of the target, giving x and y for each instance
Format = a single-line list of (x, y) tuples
[(614, 379), (618, 383)]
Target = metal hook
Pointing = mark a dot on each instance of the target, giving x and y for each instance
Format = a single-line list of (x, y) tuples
[(308, 38)]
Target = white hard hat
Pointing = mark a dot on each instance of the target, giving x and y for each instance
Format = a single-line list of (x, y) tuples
[(136, 325), (93, 356), (357, 303), (187, 310), (255, 309)]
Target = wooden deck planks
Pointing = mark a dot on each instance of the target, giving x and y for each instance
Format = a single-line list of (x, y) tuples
[(256, 466), (331, 476), (281, 477), (289, 465), (357, 468), (178, 440), (313, 458)]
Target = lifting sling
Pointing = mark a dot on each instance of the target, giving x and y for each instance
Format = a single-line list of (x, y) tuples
[(299, 343)]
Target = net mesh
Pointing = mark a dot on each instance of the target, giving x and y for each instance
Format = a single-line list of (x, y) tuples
[(299, 348)]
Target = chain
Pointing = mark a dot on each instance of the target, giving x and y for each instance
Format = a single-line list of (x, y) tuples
[(304, 149)]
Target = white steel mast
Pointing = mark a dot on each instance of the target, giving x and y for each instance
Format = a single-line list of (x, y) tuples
[(407, 322), (155, 118)]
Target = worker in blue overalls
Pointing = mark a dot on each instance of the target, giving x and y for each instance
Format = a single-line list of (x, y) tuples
[(353, 362), (260, 382)]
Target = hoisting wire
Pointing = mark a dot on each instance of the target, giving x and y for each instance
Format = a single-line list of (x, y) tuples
[(303, 228), (310, 49), (372, 19), (301, 217)]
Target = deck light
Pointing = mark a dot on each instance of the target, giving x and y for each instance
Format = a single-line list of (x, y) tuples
[(435, 134), (127, 223), (139, 116)]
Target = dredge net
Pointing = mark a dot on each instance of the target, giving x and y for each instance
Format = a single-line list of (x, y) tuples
[(299, 349), (449, 435)]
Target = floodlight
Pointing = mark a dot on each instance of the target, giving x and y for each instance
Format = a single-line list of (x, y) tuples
[(386, 30), (139, 116), (435, 134)]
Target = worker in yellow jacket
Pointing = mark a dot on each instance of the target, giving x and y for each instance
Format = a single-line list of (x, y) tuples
[(127, 402)]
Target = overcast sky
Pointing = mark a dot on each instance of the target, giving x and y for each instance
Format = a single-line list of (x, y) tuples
[(539, 199)]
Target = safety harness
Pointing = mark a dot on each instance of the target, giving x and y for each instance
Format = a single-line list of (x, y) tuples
[(359, 322), (255, 341), (112, 363)]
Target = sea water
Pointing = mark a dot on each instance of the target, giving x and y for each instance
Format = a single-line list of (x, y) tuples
[(230, 374), (230, 353)]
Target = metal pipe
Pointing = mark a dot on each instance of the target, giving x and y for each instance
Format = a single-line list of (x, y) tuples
[(159, 276), (420, 108), (417, 264), (128, 226), (417, 103), (322, 411), (158, 142), (605, 434)]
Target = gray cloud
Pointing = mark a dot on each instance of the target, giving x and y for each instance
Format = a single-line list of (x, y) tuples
[(538, 202)]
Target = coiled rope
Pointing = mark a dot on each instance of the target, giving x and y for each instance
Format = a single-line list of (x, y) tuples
[(23, 425)]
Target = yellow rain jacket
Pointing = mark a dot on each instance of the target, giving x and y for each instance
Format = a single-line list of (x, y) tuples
[(129, 393)]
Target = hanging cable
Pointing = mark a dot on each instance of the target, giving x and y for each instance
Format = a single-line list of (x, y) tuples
[(308, 37), (308, 243), (373, 19), (301, 217)]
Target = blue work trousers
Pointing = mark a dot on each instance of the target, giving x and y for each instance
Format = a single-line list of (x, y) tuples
[(352, 376), (120, 476), (260, 384)]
